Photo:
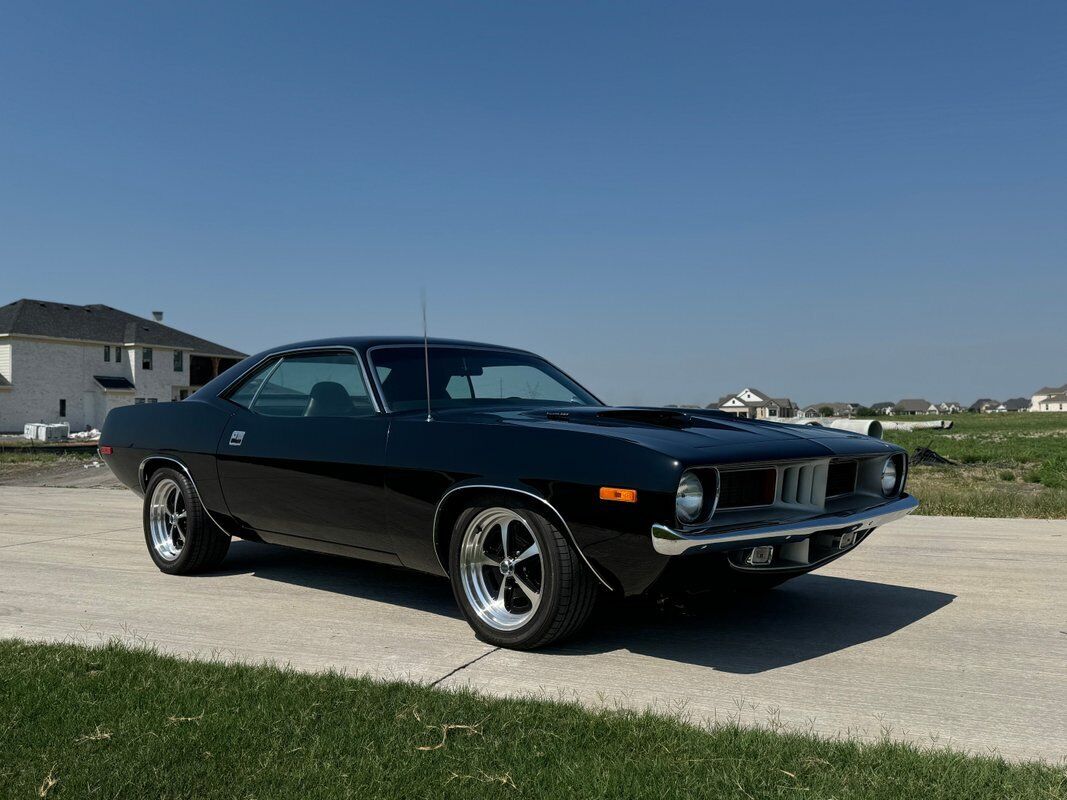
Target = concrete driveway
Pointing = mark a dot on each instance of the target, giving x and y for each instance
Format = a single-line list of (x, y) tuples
[(943, 630)]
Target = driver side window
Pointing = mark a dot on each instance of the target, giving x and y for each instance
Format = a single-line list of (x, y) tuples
[(308, 385)]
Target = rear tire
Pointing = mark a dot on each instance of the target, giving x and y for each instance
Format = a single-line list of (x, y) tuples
[(181, 538), (516, 578)]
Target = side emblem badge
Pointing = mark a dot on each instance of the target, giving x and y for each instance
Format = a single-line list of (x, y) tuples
[(236, 438)]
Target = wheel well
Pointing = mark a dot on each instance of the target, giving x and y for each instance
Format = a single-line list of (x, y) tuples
[(149, 467), (455, 502)]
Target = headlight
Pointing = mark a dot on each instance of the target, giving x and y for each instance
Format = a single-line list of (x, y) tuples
[(890, 476), (689, 500)]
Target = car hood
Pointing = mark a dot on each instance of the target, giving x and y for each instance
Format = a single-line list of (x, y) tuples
[(685, 433)]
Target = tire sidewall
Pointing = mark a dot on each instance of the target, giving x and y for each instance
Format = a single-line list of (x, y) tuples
[(551, 566), (192, 519)]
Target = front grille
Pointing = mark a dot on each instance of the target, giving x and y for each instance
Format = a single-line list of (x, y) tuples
[(804, 484), (841, 479), (750, 487)]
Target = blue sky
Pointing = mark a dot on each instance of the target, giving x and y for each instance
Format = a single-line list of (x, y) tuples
[(835, 201)]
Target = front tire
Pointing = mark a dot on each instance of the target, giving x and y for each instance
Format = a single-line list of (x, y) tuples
[(181, 538), (516, 578)]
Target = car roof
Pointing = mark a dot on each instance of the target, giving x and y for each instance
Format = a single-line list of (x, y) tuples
[(361, 344), (364, 343)]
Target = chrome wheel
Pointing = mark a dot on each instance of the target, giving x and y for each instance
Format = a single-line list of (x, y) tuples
[(501, 569), (167, 520)]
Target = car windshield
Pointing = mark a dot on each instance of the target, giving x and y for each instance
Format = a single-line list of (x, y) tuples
[(469, 377)]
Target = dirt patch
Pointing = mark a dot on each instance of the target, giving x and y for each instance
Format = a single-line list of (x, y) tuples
[(87, 474)]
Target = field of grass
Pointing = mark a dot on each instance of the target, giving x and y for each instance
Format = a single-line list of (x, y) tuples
[(19, 460), (1011, 465), (24, 455), (117, 722)]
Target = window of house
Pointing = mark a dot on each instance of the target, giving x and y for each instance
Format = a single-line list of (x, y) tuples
[(107, 352), (137, 401), (179, 361), (118, 354), (152, 400), (62, 408), (146, 358)]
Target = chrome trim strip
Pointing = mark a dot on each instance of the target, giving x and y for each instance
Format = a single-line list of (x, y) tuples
[(566, 527), (381, 391), (669, 542), (185, 469), (266, 379), (279, 354)]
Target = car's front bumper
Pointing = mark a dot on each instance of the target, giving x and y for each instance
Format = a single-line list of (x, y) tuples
[(670, 542)]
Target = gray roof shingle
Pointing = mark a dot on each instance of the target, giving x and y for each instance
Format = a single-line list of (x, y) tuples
[(913, 405), (100, 323)]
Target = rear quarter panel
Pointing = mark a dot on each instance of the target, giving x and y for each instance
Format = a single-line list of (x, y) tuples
[(187, 431)]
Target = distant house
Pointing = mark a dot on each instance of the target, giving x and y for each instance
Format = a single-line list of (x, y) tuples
[(73, 364), (883, 408), (754, 404), (1017, 404), (912, 407), (836, 410), (1052, 402), (1047, 393), (949, 407), (984, 405)]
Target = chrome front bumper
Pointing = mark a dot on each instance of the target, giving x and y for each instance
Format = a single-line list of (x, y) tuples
[(670, 542)]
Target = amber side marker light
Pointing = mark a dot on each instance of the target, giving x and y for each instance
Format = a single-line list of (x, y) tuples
[(618, 495)]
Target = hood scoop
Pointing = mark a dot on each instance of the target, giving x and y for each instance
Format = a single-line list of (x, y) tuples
[(665, 418), (655, 417)]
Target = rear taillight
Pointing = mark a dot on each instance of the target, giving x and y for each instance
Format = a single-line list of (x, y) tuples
[(105, 450)]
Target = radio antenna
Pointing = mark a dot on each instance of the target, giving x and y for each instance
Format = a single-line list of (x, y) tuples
[(426, 354)]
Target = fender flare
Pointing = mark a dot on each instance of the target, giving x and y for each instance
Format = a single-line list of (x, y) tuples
[(557, 517), (144, 487)]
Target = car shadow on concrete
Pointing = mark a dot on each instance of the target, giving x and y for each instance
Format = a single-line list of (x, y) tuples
[(380, 582), (806, 618)]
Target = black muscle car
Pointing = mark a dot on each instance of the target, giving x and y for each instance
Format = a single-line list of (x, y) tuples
[(491, 466)]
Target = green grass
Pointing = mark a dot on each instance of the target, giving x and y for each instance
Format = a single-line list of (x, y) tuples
[(23, 455), (1011, 465), (22, 458), (117, 722)]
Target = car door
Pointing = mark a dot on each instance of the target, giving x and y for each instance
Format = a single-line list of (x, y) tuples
[(304, 452)]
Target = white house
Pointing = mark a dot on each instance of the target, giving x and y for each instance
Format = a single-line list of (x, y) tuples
[(70, 363), (754, 404), (1052, 402), (1050, 394)]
